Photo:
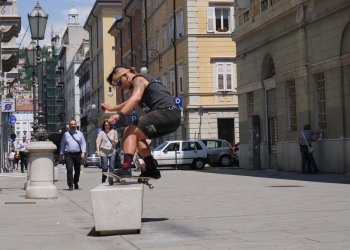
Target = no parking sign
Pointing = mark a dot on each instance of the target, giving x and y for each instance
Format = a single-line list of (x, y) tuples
[(8, 105)]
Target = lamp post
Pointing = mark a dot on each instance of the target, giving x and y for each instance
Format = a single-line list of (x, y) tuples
[(40, 184), (31, 54), (37, 22)]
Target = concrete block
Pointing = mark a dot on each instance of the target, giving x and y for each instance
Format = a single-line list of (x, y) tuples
[(117, 209)]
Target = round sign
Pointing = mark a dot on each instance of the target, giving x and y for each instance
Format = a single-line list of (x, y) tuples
[(11, 119)]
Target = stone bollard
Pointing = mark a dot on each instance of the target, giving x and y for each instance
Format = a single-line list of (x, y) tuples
[(41, 171)]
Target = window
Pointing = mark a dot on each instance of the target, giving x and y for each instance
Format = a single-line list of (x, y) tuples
[(220, 19), (246, 16), (180, 77), (321, 101), (172, 81), (292, 114), (173, 146), (225, 76), (264, 4), (188, 146), (250, 98), (179, 24)]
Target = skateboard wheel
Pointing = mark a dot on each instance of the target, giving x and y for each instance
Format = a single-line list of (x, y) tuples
[(123, 182), (110, 180)]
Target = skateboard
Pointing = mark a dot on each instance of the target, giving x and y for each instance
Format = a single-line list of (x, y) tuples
[(121, 180)]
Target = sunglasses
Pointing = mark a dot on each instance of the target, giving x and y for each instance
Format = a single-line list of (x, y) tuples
[(118, 82)]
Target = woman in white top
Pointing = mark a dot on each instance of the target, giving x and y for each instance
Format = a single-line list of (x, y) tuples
[(106, 142)]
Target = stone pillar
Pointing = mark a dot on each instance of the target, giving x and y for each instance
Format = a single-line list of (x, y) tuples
[(41, 169)]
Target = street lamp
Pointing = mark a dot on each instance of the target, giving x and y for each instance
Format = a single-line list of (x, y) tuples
[(151, 54), (37, 22), (31, 55)]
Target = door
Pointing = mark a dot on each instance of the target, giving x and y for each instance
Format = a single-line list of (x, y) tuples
[(226, 129), (168, 154)]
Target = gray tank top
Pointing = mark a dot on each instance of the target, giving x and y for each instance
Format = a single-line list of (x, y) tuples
[(155, 95)]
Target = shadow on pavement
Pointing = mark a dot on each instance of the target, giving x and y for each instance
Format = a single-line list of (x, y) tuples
[(320, 177)]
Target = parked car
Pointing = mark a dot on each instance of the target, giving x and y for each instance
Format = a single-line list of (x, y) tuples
[(220, 152), (192, 153), (92, 159)]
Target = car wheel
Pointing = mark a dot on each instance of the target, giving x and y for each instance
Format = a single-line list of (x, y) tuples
[(198, 164), (225, 161)]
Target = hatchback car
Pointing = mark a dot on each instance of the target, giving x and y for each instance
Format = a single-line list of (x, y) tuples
[(220, 152), (192, 153), (92, 159)]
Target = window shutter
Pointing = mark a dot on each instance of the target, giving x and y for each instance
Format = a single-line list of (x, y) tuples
[(232, 19), (211, 19), (220, 76), (234, 77), (179, 24), (229, 76)]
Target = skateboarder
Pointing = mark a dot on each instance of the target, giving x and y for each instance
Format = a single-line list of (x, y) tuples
[(162, 117)]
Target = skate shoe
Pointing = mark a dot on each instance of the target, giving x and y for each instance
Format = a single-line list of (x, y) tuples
[(122, 172)]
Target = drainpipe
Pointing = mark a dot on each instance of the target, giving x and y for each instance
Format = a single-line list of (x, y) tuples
[(131, 44), (174, 45), (146, 32), (120, 40)]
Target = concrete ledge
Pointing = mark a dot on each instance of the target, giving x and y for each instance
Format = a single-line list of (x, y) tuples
[(117, 209)]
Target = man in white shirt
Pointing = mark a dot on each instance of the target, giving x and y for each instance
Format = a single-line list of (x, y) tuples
[(23, 153)]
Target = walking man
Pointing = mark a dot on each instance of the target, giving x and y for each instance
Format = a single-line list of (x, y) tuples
[(163, 117), (73, 149), (23, 153)]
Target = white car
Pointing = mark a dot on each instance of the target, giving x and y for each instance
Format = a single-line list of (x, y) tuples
[(192, 153)]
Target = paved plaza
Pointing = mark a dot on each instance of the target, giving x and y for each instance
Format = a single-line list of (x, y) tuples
[(216, 208)]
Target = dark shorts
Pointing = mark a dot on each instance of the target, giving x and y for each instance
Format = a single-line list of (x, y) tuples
[(161, 122)]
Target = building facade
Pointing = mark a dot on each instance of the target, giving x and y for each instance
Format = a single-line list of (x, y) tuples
[(71, 41), (293, 62), (100, 63), (188, 47)]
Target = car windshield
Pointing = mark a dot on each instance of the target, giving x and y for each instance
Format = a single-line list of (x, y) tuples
[(161, 146)]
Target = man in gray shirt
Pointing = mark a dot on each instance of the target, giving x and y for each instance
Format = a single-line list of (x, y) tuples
[(73, 148)]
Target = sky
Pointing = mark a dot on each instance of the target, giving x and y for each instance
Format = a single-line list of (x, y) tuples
[(58, 16)]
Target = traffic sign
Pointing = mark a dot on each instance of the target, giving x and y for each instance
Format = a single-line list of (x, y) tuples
[(8, 105), (11, 119), (133, 117), (178, 101)]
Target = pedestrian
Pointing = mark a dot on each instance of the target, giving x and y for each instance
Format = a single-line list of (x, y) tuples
[(23, 153), (162, 116), (305, 137), (11, 158), (17, 158), (73, 149), (106, 142)]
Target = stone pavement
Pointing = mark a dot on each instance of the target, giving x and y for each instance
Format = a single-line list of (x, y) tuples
[(210, 209)]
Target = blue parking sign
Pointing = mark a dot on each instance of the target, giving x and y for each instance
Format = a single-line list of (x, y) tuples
[(178, 101)]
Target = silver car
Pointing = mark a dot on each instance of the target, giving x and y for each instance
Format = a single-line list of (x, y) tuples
[(220, 152), (92, 160)]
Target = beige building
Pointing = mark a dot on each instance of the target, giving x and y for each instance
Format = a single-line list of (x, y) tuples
[(293, 62), (101, 56), (187, 45)]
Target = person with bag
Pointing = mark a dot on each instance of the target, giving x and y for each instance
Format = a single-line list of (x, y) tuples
[(106, 143), (73, 149), (305, 137), (17, 158)]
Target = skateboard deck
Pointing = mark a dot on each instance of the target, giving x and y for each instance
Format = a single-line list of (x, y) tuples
[(113, 178)]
